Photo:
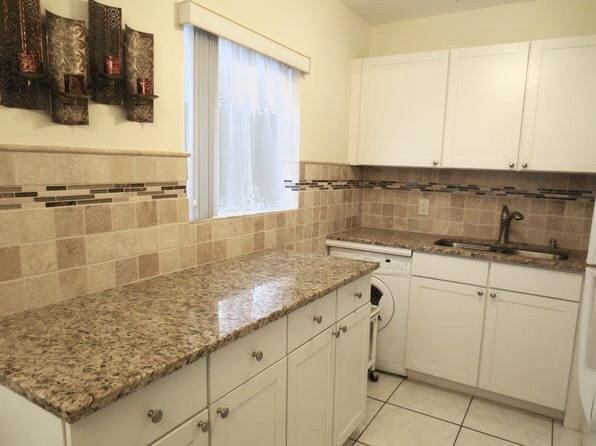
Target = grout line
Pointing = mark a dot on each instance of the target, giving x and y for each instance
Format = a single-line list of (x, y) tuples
[(424, 414), (491, 435), (461, 426), (552, 432)]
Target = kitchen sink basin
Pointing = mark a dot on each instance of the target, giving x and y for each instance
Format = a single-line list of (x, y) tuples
[(509, 249)]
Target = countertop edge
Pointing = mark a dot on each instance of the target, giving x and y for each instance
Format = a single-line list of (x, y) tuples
[(142, 382)]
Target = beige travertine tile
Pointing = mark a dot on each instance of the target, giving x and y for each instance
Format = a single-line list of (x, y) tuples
[(11, 297), (146, 213), (96, 169), (101, 277), (124, 216), (147, 240), (71, 252), (204, 231), (148, 265), (247, 243), (38, 225), (34, 168), (10, 261), (124, 243), (259, 241), (100, 247), (166, 169), (69, 221), (182, 169), (220, 249), (38, 258), (169, 261), (123, 169), (98, 218), (126, 271), (72, 283), (204, 253), (259, 223), (7, 169), (183, 213), (167, 211), (42, 290), (187, 234), (11, 228), (168, 236), (146, 168), (187, 256), (234, 247)]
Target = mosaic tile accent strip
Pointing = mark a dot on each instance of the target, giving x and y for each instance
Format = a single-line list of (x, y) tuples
[(503, 191), (26, 197)]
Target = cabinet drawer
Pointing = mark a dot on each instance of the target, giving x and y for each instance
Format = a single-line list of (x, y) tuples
[(241, 360), (558, 284), (453, 269), (310, 320), (179, 396), (353, 296), (195, 432)]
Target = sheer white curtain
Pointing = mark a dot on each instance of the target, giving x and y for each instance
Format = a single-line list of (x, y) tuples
[(258, 131)]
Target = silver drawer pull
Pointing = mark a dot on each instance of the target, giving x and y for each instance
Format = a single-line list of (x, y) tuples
[(223, 412), (318, 319), (358, 295), (203, 425), (257, 355), (344, 328), (155, 415)]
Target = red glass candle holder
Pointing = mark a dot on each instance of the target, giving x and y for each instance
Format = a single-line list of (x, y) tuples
[(111, 65), (144, 86), (28, 63)]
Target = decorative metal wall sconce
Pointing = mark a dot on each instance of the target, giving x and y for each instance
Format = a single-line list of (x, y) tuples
[(105, 42), (23, 82), (67, 56), (138, 48)]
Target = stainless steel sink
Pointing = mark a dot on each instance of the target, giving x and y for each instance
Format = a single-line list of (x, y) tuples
[(510, 249)]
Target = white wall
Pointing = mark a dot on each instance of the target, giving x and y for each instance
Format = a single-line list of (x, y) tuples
[(515, 22), (108, 125), (323, 29)]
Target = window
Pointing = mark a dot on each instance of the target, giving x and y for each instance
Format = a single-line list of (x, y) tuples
[(242, 123)]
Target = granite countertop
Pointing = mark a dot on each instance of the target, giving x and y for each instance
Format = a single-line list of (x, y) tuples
[(421, 242), (79, 356)]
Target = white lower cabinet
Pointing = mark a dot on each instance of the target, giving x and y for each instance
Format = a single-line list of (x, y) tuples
[(351, 364), (311, 378), (445, 329), (254, 414), (528, 345), (195, 432)]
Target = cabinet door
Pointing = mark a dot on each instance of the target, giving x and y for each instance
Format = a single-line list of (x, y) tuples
[(484, 106), (528, 344), (558, 130), (351, 364), (254, 413), (403, 109), (311, 375), (445, 329), (195, 432)]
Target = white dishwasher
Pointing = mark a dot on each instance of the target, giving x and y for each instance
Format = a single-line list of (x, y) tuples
[(390, 291)]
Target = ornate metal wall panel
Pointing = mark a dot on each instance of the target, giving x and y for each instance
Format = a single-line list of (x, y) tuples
[(21, 41), (139, 49), (67, 56), (105, 42)]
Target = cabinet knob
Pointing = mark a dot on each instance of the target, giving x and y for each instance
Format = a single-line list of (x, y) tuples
[(358, 295), (337, 333), (511, 165), (257, 355), (525, 165), (203, 425), (480, 293), (223, 412), (155, 415), (435, 163), (318, 319), (493, 294), (344, 328)]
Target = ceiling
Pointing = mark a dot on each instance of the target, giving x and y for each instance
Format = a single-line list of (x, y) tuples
[(384, 11)]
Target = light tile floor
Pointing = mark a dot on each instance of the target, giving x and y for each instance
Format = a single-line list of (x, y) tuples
[(400, 412)]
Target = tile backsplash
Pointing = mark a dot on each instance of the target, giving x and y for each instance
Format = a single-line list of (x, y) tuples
[(91, 222)]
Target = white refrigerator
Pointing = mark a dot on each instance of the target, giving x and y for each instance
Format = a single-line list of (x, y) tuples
[(587, 345)]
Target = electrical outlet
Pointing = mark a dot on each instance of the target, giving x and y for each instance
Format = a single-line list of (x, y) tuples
[(423, 206)]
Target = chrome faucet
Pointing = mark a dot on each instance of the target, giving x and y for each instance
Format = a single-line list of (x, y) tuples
[(506, 218)]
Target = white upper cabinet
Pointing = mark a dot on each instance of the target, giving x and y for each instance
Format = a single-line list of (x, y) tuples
[(484, 106), (558, 132), (401, 109)]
